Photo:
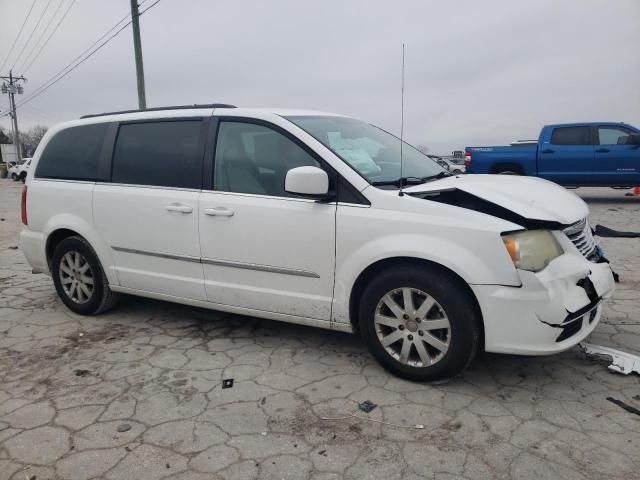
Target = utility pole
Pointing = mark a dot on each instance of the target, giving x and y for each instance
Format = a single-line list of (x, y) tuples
[(12, 88), (137, 47)]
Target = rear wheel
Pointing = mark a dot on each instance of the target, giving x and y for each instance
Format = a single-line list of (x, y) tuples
[(420, 322), (79, 278), (23, 177)]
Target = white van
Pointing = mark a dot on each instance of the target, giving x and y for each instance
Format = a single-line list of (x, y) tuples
[(303, 217)]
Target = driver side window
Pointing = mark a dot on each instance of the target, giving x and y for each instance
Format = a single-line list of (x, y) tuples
[(252, 158)]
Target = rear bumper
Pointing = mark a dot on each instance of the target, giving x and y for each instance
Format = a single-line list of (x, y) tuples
[(33, 247), (551, 312)]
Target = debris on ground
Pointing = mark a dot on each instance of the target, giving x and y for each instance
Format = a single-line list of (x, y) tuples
[(227, 383), (621, 362), (367, 406), (79, 372), (602, 231), (624, 406), (13, 247), (123, 427), (353, 414)]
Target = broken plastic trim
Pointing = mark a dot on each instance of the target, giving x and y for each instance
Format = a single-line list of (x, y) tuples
[(621, 362), (462, 199)]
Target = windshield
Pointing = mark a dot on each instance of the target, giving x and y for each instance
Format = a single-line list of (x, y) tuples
[(369, 150)]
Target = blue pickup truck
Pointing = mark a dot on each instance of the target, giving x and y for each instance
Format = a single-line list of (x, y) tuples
[(575, 154)]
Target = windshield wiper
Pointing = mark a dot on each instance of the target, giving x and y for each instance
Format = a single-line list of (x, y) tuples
[(436, 176), (411, 180)]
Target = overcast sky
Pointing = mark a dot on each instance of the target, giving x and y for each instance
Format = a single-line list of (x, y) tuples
[(477, 72)]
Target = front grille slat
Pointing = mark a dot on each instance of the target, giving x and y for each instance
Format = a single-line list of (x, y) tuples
[(581, 236)]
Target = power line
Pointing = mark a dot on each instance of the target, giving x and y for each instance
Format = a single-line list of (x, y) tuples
[(53, 80), (61, 71), (42, 34), (18, 36), (31, 34), (46, 42)]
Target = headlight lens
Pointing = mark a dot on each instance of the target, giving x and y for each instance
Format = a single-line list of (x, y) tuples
[(532, 250)]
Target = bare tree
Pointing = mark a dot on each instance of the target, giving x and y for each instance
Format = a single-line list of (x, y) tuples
[(30, 139)]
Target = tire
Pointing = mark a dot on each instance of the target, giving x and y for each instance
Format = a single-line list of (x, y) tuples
[(96, 296), (23, 177), (452, 302), (14, 176)]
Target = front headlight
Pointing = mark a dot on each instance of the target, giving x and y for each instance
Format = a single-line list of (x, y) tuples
[(532, 250)]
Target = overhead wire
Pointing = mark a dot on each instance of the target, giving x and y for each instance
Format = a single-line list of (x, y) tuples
[(17, 36), (70, 67), (46, 42), (31, 34), (63, 72), (36, 44)]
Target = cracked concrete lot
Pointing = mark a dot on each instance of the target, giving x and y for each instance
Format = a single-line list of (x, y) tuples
[(137, 393)]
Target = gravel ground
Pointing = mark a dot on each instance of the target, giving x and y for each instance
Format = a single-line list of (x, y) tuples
[(137, 393)]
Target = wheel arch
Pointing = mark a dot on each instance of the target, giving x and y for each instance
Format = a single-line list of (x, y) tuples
[(375, 268), (506, 167), (57, 229)]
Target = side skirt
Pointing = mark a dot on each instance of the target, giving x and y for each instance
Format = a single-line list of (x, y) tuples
[(280, 317)]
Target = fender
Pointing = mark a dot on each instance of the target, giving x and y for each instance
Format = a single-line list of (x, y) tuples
[(84, 229), (488, 267)]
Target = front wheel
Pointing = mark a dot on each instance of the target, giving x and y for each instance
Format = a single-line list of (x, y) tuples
[(14, 176), (79, 278), (420, 322)]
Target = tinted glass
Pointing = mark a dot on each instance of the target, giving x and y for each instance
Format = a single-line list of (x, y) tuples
[(165, 154), (252, 158), (612, 136), (73, 153), (571, 136), (369, 150)]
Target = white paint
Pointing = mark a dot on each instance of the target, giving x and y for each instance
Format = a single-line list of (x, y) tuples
[(198, 236)]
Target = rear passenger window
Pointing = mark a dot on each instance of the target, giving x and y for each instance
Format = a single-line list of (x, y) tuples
[(73, 154), (165, 154), (571, 136)]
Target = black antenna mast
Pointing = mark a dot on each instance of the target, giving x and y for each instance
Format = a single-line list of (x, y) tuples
[(400, 193)]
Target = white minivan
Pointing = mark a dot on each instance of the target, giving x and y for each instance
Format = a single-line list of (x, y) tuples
[(312, 218)]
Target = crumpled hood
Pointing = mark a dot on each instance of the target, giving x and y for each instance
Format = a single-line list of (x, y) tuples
[(530, 197)]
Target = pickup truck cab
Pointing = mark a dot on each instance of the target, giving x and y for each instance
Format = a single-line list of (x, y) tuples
[(576, 154), (303, 217)]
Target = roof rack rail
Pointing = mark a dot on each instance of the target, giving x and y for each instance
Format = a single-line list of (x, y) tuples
[(155, 109)]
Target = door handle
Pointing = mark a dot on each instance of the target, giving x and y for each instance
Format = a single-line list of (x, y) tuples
[(602, 150), (175, 207), (218, 212), (548, 150)]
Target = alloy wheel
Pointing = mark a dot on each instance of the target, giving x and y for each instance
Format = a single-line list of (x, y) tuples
[(412, 327), (76, 277)]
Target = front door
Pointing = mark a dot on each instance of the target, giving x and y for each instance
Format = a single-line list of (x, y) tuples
[(263, 248), (566, 156), (148, 213), (616, 162)]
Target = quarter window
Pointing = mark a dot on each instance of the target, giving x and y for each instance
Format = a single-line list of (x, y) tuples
[(165, 154), (571, 136), (252, 158), (612, 136), (73, 154)]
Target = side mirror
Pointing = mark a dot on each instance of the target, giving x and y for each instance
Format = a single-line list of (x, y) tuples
[(633, 139), (307, 181)]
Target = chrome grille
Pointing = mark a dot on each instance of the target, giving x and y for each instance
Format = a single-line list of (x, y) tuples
[(582, 237)]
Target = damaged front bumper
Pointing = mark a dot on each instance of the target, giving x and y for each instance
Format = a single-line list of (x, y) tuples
[(551, 311)]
